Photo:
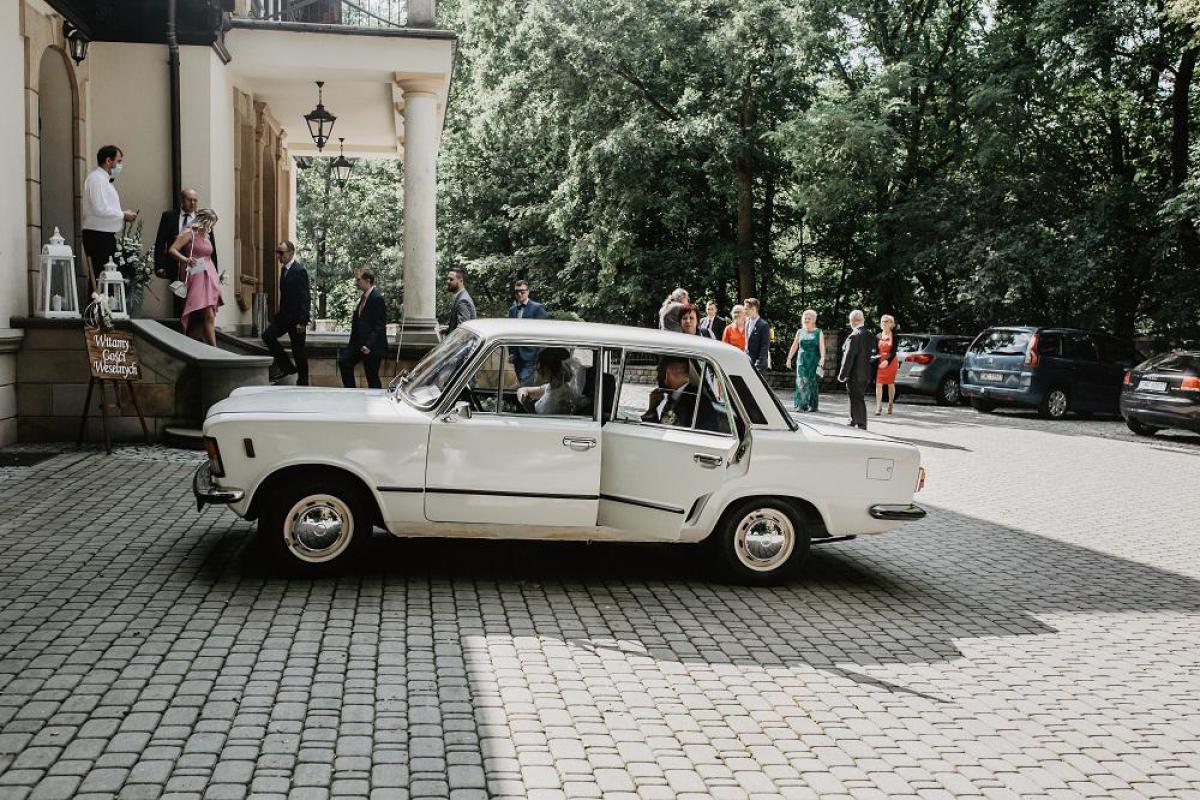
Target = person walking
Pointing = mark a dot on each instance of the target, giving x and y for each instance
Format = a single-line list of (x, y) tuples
[(711, 322), (101, 210), (809, 345), (524, 359), (292, 316), (735, 332), (672, 307), (192, 250), (462, 307), (855, 370), (170, 225), (885, 375), (368, 333), (758, 336)]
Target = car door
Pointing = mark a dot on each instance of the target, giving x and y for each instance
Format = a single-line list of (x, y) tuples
[(657, 466), (1079, 352), (505, 460)]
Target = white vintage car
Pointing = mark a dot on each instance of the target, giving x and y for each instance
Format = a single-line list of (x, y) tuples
[(539, 429)]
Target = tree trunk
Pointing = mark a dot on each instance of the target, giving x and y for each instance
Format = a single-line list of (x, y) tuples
[(1180, 150), (745, 226)]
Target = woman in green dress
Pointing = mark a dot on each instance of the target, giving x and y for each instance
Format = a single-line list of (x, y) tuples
[(810, 345)]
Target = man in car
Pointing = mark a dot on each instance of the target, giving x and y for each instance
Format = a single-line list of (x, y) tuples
[(673, 402)]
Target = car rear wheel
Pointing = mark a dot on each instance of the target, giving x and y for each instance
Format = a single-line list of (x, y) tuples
[(308, 527), (762, 541), (982, 406), (1141, 429), (949, 393), (1055, 404)]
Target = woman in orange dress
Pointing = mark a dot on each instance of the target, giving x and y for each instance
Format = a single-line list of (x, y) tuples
[(885, 347), (735, 331)]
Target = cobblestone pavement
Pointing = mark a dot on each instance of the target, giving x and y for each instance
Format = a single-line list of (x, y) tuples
[(1037, 635)]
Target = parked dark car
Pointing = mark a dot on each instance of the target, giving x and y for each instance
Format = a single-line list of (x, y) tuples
[(930, 365), (1055, 370), (1163, 392)]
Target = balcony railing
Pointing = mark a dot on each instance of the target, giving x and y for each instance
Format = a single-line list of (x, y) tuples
[(353, 13)]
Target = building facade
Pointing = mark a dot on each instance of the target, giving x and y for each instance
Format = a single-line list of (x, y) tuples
[(244, 73)]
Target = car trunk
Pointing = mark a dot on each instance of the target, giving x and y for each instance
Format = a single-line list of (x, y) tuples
[(999, 356)]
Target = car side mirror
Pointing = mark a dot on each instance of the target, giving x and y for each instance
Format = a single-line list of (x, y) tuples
[(462, 409)]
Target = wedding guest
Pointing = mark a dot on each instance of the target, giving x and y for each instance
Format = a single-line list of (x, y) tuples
[(885, 374), (810, 368), (672, 307), (758, 336), (855, 370), (735, 331), (193, 250), (368, 333), (462, 307), (524, 358), (170, 225), (712, 322), (100, 205), (292, 316)]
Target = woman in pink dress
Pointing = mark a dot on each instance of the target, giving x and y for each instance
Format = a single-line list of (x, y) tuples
[(193, 250)]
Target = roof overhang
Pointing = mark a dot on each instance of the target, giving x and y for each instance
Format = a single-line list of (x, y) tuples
[(365, 71)]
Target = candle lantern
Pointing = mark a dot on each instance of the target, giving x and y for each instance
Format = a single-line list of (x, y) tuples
[(57, 296), (112, 289)]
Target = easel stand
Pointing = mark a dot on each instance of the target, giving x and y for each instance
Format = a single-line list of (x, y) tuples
[(104, 407)]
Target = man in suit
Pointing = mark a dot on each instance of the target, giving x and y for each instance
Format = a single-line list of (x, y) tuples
[(291, 317), (758, 336), (711, 322), (524, 359), (170, 225), (462, 307), (368, 333), (855, 371), (673, 402)]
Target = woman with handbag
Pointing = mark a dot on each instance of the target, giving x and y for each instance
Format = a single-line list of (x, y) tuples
[(201, 284)]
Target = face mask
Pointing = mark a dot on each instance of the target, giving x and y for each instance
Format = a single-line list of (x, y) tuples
[(116, 170)]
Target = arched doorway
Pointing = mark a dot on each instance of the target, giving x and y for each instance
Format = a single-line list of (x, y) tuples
[(56, 135)]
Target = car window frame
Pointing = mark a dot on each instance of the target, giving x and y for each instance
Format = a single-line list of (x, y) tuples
[(491, 346), (452, 385), (709, 364)]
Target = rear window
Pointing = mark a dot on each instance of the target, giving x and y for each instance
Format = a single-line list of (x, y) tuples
[(748, 402), (912, 344), (1185, 363), (1002, 342), (954, 347)]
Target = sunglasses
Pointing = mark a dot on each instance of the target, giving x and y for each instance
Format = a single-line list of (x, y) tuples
[(281, 252), (521, 291)]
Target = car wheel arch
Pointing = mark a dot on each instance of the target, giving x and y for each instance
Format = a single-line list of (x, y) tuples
[(295, 472), (805, 510)]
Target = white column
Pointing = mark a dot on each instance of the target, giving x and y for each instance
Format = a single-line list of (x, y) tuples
[(420, 209)]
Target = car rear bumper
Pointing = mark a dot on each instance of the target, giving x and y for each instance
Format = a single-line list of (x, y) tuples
[(208, 494), (922, 383), (1162, 412), (1002, 394), (901, 512)]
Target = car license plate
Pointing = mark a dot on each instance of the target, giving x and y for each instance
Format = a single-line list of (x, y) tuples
[(1152, 386), (992, 377)]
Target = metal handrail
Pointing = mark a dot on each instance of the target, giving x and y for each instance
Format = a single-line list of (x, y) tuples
[(361, 14)]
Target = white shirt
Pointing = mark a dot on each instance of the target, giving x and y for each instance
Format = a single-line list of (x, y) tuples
[(185, 219), (100, 204), (283, 273)]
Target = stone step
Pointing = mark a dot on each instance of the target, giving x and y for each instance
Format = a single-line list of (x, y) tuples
[(186, 438)]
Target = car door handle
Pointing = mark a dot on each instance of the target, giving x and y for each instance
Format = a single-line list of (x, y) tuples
[(707, 461), (579, 442)]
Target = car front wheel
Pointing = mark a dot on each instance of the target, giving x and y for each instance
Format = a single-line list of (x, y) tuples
[(762, 541), (308, 527)]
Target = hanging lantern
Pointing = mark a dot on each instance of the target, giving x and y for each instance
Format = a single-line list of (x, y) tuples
[(77, 42), (57, 296), (320, 122), (341, 165), (112, 289)]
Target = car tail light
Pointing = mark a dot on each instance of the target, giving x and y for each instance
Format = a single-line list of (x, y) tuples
[(919, 358), (1031, 355), (920, 478), (214, 456), (1190, 384), (1128, 377)]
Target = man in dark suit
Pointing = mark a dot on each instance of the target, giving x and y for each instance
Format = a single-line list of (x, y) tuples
[(462, 307), (855, 371), (673, 402), (524, 359), (368, 333), (712, 323), (291, 317), (758, 336), (170, 225)]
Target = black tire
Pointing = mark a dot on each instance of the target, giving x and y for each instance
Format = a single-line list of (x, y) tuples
[(1055, 403), (1141, 429), (949, 392), (767, 561), (982, 406), (327, 499)]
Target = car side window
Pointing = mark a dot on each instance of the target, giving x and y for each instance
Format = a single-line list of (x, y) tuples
[(954, 347), (1078, 347), (561, 382), (675, 390), (483, 390), (1116, 351), (1050, 344)]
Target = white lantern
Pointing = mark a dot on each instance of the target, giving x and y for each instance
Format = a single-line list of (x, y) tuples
[(57, 296), (112, 289)]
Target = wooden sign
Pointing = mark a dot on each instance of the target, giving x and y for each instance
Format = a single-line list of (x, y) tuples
[(111, 355)]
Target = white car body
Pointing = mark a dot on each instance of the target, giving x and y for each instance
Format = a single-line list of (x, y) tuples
[(437, 471)]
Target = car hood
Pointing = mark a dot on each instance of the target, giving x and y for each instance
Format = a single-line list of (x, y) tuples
[(362, 405)]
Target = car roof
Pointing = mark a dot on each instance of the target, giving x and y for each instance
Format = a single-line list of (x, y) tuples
[(568, 331), (935, 335)]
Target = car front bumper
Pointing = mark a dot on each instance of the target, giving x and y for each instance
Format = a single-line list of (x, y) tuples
[(901, 512), (208, 494)]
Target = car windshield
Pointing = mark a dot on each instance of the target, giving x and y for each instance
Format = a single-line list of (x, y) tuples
[(424, 385), (1002, 342)]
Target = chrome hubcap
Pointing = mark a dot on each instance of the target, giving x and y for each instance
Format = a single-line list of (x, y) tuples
[(765, 539), (1058, 403), (318, 528)]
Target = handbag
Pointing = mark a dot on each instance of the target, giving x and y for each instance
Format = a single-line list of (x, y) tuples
[(179, 288)]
